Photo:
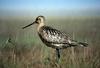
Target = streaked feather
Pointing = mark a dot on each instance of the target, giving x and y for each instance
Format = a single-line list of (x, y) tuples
[(52, 35)]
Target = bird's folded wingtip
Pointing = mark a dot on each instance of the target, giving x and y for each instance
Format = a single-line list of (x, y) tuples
[(83, 44)]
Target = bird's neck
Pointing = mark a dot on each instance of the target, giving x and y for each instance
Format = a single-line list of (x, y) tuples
[(39, 26)]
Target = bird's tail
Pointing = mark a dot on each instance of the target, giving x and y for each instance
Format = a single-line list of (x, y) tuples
[(83, 44), (75, 43)]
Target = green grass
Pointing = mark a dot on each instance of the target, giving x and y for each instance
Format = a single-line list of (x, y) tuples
[(27, 51)]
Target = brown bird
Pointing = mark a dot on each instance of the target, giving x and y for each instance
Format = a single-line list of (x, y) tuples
[(53, 37)]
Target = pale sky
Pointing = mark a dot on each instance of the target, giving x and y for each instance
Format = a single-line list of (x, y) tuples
[(48, 6)]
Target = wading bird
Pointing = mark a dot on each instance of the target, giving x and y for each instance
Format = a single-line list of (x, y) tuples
[(53, 37)]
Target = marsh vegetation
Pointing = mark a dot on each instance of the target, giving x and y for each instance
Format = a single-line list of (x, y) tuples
[(23, 48)]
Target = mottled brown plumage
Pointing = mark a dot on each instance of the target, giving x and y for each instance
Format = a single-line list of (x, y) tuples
[(53, 37)]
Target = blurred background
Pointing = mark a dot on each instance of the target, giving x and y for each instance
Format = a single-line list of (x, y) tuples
[(79, 19)]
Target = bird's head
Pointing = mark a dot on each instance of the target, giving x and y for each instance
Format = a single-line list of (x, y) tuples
[(39, 20)]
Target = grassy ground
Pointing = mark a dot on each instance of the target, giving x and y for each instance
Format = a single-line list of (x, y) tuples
[(23, 48)]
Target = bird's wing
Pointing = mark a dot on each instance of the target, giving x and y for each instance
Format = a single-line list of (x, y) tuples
[(51, 35)]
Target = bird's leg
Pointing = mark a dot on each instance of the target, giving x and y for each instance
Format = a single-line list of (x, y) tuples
[(58, 54)]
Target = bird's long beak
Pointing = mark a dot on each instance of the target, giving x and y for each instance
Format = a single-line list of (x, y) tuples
[(28, 25)]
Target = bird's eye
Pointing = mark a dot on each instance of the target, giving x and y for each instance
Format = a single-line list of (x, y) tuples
[(36, 18)]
